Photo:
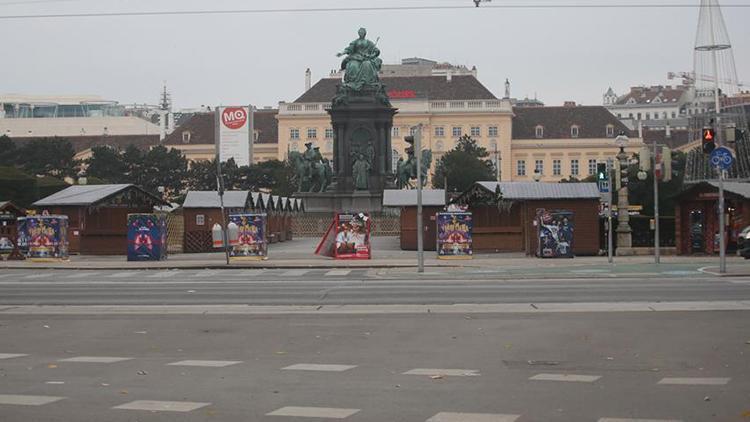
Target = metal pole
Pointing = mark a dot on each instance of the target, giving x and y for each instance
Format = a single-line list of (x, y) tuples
[(657, 257), (722, 248), (609, 213), (220, 187), (420, 229)]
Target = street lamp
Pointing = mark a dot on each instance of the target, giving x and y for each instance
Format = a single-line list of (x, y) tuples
[(642, 175)]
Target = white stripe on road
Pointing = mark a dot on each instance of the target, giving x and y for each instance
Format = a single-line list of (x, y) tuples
[(22, 400), (313, 412), (472, 417), (162, 406), (94, 359), (36, 276), (207, 273), (334, 273), (248, 273), (694, 381), (637, 420), (123, 274), (565, 377), (11, 355), (319, 367), (206, 363), (163, 274), (434, 372), (82, 274), (295, 273)]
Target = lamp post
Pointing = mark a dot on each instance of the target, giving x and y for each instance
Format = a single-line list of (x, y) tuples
[(624, 232)]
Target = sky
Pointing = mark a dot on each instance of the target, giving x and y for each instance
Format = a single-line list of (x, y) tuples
[(260, 58)]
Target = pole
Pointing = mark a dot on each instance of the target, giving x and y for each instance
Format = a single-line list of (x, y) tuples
[(220, 187), (420, 229), (657, 252), (719, 136), (722, 248), (609, 212)]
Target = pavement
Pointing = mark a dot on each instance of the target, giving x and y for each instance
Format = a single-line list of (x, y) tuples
[(299, 254)]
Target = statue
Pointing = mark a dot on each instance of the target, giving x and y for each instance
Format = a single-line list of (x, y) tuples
[(407, 170), (312, 171), (360, 172), (361, 66)]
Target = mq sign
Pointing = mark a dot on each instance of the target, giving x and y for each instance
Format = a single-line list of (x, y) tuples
[(234, 132), (234, 117)]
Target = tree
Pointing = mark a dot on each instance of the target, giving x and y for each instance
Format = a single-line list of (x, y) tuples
[(107, 163), (48, 157), (464, 165), (202, 175), (7, 151), (161, 167), (273, 175)]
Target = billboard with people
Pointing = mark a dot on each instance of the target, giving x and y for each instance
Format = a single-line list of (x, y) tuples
[(252, 243), (348, 237), (147, 237), (454, 235), (555, 233), (47, 237)]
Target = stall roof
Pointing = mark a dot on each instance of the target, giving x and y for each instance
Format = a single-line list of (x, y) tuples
[(210, 199), (408, 198), (268, 204), (7, 206), (84, 195), (738, 188), (257, 200), (542, 190)]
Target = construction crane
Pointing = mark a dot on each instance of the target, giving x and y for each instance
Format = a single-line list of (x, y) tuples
[(689, 78)]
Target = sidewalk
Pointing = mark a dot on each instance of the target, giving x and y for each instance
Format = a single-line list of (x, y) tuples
[(387, 254)]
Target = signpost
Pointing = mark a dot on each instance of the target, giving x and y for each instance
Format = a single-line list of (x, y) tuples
[(234, 131), (722, 159)]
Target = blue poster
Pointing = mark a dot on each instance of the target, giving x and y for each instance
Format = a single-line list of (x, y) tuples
[(251, 240), (47, 237), (147, 237), (23, 236), (555, 232), (454, 235)]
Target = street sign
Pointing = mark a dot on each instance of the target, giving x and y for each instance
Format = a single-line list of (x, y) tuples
[(722, 158)]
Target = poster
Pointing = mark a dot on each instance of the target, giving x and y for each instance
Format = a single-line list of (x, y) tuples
[(147, 237), (252, 243), (352, 236), (23, 236), (555, 232), (234, 131), (47, 237), (454, 235)]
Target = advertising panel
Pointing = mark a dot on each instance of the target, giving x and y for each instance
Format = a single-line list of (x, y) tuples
[(47, 237), (147, 237), (352, 236), (234, 132), (555, 233), (23, 236), (252, 243), (454, 235)]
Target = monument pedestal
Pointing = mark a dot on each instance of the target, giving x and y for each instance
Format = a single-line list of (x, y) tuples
[(360, 201)]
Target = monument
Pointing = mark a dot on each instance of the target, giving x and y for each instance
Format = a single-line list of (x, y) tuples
[(362, 118)]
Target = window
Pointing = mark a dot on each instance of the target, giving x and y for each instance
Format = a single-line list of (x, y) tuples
[(312, 133), (521, 168), (475, 131), (439, 131), (394, 132), (619, 115), (539, 166), (294, 133), (674, 115), (556, 167), (574, 167), (186, 137), (630, 115), (200, 220), (639, 116), (574, 131), (492, 131), (648, 116), (539, 131), (456, 131), (329, 133), (610, 131), (592, 167)]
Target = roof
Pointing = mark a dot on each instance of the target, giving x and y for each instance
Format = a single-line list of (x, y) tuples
[(542, 190), (677, 137), (408, 198), (201, 127), (83, 195), (648, 95), (9, 207), (257, 200), (592, 122), (461, 87), (737, 188), (210, 199)]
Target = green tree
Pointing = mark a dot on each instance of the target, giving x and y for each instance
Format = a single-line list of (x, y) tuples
[(272, 175), (7, 151), (202, 175), (464, 165), (48, 157), (161, 167), (108, 164)]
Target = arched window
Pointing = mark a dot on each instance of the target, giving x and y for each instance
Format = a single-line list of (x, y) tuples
[(186, 135), (574, 131), (539, 131)]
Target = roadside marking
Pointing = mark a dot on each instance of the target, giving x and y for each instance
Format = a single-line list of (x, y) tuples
[(637, 420), (8, 275), (36, 276), (313, 412), (27, 400), (444, 372), (207, 273), (123, 274), (739, 281), (162, 406), (565, 377), (82, 274), (55, 382), (94, 359), (472, 417), (163, 274), (334, 273), (694, 381), (246, 273), (295, 273), (206, 363), (319, 367), (592, 271), (11, 355)]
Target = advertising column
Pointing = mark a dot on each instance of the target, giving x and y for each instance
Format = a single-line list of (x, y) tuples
[(234, 132)]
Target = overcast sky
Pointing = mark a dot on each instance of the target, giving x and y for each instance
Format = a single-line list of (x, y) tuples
[(557, 54)]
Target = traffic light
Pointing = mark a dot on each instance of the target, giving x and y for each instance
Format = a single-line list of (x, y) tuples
[(601, 172), (708, 140)]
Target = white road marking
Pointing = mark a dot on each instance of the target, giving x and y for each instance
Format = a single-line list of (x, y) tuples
[(637, 420), (319, 367), (36, 276), (123, 274), (162, 406), (55, 382), (11, 355), (94, 359), (739, 280), (295, 273), (8, 275), (207, 273), (163, 274), (206, 363), (27, 400), (313, 412), (694, 381), (472, 417), (334, 273), (444, 372), (82, 274), (247, 273), (565, 377)]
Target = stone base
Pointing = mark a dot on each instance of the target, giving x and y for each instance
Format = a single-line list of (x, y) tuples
[(361, 201)]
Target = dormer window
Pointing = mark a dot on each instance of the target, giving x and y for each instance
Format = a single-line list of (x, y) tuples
[(631, 101), (539, 131), (610, 131), (186, 135), (574, 131)]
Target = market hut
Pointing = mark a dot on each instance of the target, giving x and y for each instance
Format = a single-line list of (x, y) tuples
[(433, 202), (505, 214), (202, 209), (98, 215)]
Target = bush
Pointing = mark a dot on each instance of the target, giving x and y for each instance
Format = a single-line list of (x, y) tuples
[(18, 187)]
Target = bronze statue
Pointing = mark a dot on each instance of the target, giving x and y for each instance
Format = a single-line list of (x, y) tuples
[(360, 172), (312, 171), (361, 66), (407, 170)]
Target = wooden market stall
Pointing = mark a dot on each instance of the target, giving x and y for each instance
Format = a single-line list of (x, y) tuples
[(202, 209), (9, 214), (433, 201)]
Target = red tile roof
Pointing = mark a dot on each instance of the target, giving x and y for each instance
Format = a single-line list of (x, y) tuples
[(201, 127)]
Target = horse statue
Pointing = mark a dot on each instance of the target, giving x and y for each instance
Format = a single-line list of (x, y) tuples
[(311, 176), (407, 170)]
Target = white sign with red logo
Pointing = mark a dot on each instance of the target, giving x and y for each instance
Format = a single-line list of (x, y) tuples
[(235, 126)]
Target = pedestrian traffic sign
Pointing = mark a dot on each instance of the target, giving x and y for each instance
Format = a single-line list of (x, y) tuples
[(722, 158)]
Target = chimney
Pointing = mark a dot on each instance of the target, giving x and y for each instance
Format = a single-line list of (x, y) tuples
[(308, 79), (474, 71), (569, 104), (449, 75), (668, 132), (640, 129)]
